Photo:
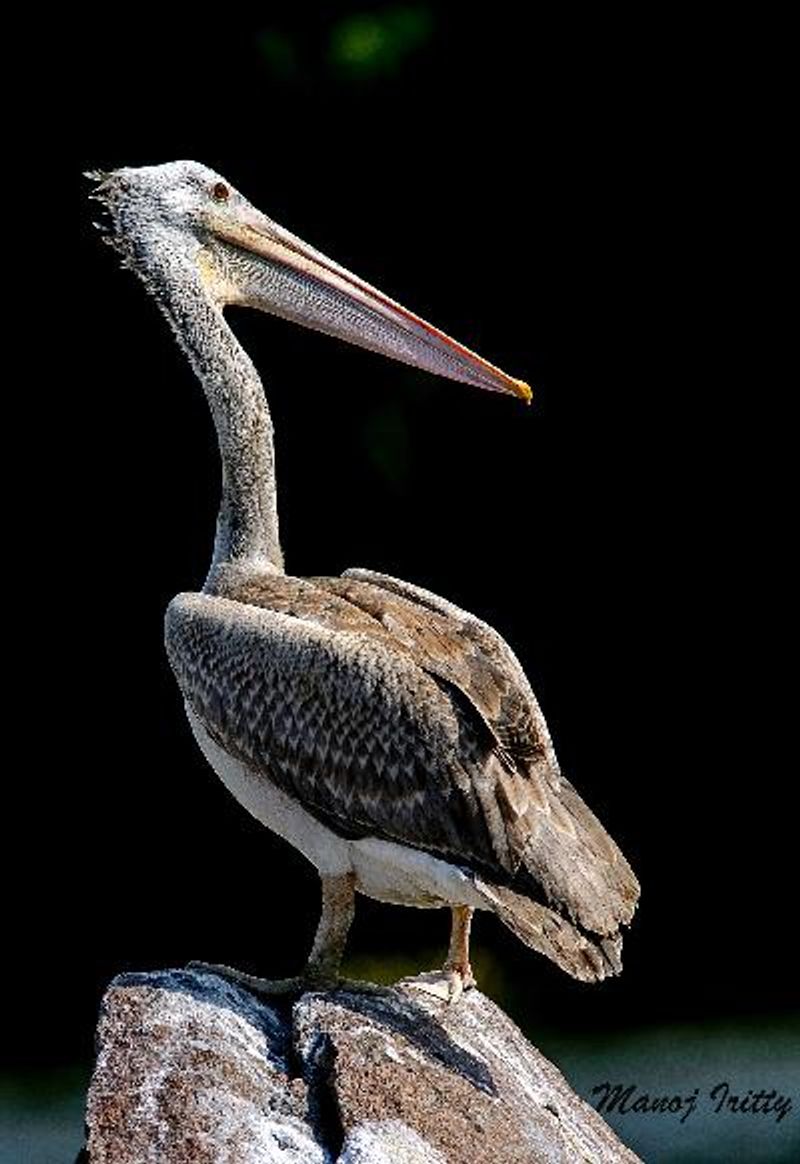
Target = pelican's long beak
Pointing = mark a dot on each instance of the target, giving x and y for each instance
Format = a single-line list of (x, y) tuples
[(291, 279)]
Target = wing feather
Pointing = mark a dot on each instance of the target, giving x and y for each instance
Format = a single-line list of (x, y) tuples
[(389, 711), (550, 831), (358, 733)]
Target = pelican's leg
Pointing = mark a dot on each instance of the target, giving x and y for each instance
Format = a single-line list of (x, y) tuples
[(322, 968), (458, 953), (456, 975), (338, 909)]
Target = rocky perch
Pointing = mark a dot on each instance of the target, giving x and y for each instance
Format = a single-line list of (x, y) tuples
[(191, 1068)]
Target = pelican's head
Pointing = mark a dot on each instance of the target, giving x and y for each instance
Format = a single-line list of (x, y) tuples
[(184, 220)]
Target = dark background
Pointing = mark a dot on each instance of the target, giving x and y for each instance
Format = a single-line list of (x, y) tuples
[(585, 204)]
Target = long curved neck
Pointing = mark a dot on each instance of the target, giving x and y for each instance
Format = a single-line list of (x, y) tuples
[(247, 524)]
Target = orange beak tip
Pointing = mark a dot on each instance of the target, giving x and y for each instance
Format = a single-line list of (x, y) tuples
[(523, 390)]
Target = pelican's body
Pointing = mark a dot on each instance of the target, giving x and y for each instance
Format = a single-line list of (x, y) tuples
[(388, 735)]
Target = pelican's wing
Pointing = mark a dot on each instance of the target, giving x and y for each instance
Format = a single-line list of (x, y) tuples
[(463, 650), (316, 696), (550, 832)]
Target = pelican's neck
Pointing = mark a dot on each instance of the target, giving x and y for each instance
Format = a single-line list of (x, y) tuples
[(247, 524)]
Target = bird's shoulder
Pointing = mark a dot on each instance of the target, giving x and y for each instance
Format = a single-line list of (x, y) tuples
[(462, 651), (283, 643), (391, 623)]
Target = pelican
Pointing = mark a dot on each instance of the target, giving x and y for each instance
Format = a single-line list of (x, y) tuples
[(391, 737)]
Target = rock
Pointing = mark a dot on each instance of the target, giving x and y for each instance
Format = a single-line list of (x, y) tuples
[(192, 1068)]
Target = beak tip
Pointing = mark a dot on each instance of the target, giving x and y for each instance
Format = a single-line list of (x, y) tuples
[(523, 390)]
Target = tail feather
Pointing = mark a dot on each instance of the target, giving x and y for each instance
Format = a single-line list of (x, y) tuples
[(587, 957), (581, 870)]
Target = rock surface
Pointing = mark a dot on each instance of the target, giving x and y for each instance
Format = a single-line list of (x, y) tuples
[(192, 1068)]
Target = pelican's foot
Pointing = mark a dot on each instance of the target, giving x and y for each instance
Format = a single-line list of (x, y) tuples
[(268, 987), (312, 980), (449, 983), (361, 986)]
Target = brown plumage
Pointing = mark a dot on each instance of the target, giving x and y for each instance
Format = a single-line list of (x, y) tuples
[(388, 735), (389, 712)]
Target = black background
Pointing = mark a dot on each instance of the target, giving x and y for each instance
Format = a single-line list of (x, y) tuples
[(586, 205)]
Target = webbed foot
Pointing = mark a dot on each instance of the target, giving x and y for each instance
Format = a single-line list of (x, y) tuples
[(449, 983), (268, 987), (311, 980)]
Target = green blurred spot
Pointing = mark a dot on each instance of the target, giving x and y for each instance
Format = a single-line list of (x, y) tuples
[(278, 52), (388, 443), (373, 43), (385, 969)]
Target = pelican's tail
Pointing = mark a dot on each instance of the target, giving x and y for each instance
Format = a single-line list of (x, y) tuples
[(572, 890), (588, 957), (558, 843)]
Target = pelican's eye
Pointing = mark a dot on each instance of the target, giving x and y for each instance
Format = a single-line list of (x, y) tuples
[(220, 192)]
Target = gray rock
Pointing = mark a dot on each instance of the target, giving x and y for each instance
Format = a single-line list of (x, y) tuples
[(192, 1068)]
